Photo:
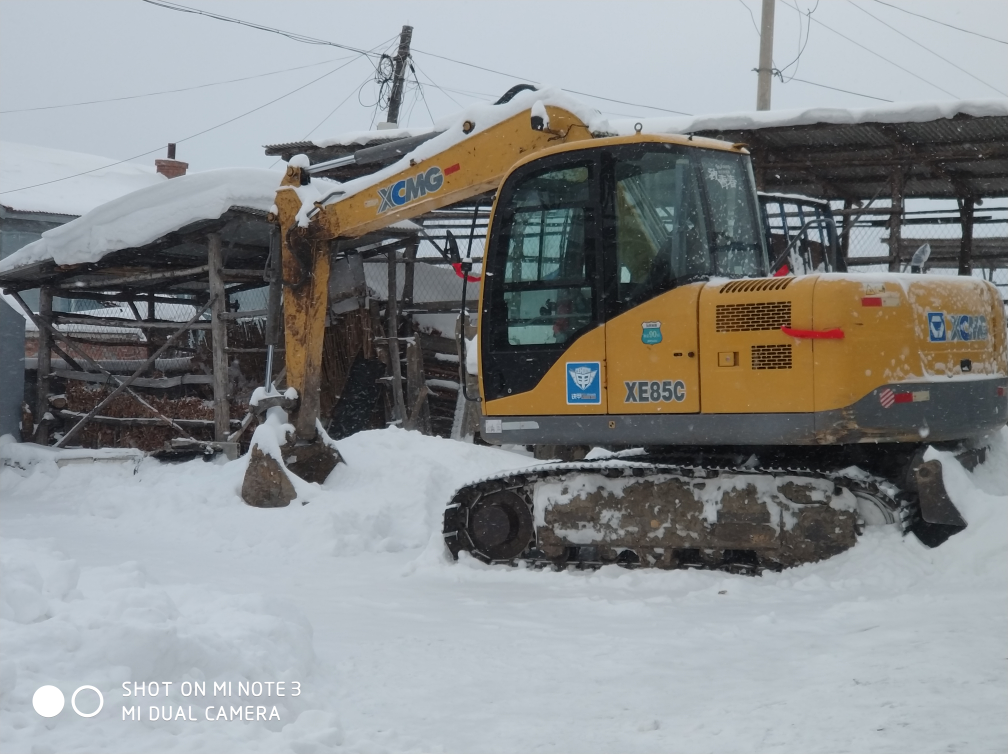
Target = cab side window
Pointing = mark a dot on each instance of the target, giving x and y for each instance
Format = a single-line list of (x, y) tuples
[(549, 267), (654, 222)]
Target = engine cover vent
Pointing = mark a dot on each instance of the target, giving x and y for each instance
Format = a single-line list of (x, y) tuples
[(771, 357), (764, 315), (756, 284)]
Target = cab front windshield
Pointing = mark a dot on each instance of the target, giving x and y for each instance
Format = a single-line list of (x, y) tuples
[(663, 235)]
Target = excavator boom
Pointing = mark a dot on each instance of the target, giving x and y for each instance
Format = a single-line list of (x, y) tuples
[(467, 159)]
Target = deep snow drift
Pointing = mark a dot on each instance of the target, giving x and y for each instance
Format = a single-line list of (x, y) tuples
[(111, 576)]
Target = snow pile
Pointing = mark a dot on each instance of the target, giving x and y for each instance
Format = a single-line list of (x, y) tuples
[(107, 625), (915, 112), (145, 215), (485, 116), (371, 138), (165, 575), (27, 165)]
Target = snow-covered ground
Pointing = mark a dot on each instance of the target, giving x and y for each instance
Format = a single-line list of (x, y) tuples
[(111, 576)]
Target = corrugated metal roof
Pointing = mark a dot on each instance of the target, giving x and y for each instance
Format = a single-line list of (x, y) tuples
[(942, 158)]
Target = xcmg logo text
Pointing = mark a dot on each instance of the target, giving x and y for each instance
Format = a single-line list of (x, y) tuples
[(407, 190)]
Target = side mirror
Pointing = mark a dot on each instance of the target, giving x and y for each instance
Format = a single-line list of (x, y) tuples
[(453, 248), (920, 258)]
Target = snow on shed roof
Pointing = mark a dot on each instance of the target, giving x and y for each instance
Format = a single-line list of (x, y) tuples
[(28, 165), (902, 112), (143, 216)]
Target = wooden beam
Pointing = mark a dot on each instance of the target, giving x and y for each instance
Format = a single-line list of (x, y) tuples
[(44, 365), (845, 233), (127, 324), (151, 383), (139, 421), (218, 329), (140, 278), (895, 217), (416, 389), (966, 207), (392, 312)]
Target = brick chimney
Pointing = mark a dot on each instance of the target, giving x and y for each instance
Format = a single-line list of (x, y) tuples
[(171, 168)]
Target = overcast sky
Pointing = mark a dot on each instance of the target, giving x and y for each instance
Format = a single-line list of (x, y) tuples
[(692, 57)]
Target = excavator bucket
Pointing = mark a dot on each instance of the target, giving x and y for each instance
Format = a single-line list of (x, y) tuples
[(939, 518)]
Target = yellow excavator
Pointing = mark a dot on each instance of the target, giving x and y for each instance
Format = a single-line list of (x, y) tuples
[(742, 419)]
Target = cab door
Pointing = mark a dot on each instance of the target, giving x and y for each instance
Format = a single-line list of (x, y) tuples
[(655, 244), (541, 327)]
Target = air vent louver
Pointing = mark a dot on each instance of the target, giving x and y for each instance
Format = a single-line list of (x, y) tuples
[(764, 315), (756, 284), (771, 357)]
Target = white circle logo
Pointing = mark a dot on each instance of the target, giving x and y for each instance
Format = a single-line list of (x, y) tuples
[(73, 701), (48, 701)]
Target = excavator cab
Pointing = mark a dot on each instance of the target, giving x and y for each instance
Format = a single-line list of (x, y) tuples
[(583, 235)]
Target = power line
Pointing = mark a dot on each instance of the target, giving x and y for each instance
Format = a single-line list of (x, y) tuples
[(989, 86), (289, 34), (315, 40), (473, 65), (422, 95), (433, 83), (170, 91), (187, 138), (623, 102), (867, 49), (942, 23), (837, 89), (352, 92), (801, 47), (805, 81)]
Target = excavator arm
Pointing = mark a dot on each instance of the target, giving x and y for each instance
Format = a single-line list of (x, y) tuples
[(466, 160)]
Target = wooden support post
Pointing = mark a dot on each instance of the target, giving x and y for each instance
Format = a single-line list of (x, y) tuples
[(392, 312), (44, 365), (895, 218), (848, 223), (966, 207), (218, 329), (416, 389), (467, 413), (409, 273)]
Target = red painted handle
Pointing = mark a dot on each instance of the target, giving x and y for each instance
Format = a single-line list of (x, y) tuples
[(457, 266), (835, 334)]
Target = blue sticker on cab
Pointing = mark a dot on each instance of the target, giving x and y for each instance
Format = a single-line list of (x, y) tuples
[(652, 333), (584, 382), (936, 326)]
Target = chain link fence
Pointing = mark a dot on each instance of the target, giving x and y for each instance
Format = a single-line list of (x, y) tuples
[(941, 229)]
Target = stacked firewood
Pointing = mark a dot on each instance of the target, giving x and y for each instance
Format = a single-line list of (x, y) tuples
[(138, 426)]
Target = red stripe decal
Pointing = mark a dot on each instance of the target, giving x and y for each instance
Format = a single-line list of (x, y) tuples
[(835, 334), (454, 168), (903, 398), (871, 301)]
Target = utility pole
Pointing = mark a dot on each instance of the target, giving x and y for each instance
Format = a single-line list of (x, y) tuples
[(399, 77), (765, 70)]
